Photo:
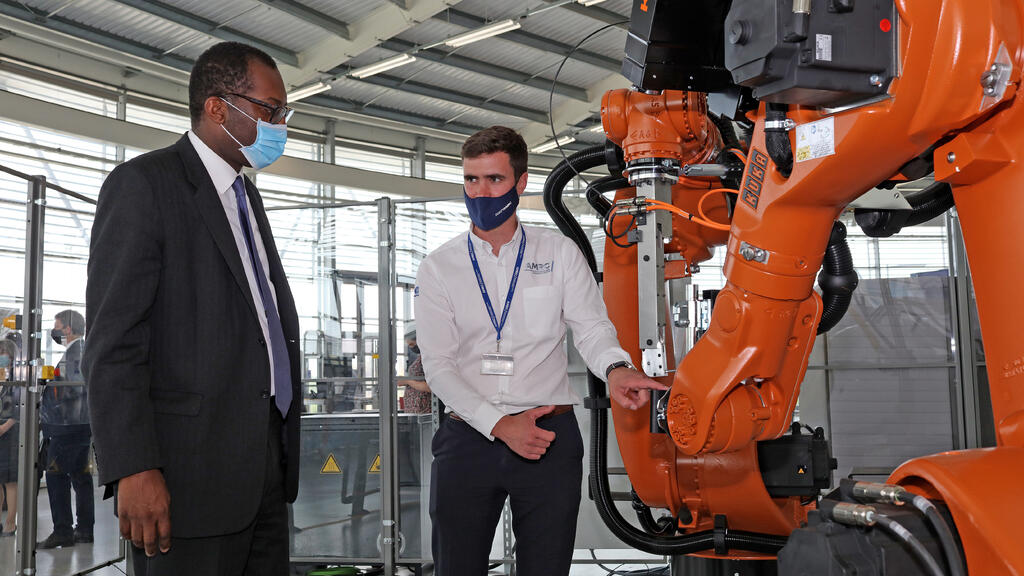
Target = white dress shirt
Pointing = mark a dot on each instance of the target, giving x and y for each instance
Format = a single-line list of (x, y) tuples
[(555, 289), (223, 176)]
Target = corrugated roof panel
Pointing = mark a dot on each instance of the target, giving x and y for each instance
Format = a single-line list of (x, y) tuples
[(485, 118), (348, 12), (568, 27), (123, 21), (258, 20), (355, 91), (492, 10)]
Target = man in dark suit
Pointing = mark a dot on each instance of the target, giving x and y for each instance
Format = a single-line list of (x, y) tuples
[(64, 421), (193, 358)]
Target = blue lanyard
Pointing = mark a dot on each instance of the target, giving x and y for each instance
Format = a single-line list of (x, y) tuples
[(483, 287)]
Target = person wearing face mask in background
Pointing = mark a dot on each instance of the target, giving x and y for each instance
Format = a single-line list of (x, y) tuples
[(492, 307), (193, 358), (64, 422), (10, 397)]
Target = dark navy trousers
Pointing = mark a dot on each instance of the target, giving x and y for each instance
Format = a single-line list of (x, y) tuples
[(470, 478)]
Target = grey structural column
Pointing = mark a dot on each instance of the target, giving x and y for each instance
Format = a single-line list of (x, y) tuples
[(31, 364), (389, 511), (965, 397), (419, 159)]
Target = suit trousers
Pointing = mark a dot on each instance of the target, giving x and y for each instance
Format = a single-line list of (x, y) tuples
[(261, 549), (470, 478)]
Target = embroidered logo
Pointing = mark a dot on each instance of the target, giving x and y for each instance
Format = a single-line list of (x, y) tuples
[(539, 267)]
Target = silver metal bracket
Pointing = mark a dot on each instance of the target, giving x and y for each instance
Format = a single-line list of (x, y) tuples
[(651, 277), (787, 124), (996, 78), (750, 252)]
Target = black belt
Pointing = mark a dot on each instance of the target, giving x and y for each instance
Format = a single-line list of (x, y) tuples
[(558, 411)]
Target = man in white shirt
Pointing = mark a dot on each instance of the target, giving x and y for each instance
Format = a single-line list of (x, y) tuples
[(492, 307)]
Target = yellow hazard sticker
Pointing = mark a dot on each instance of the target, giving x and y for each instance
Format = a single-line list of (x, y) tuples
[(375, 467), (330, 466)]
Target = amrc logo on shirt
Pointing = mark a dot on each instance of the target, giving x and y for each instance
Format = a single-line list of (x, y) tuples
[(539, 267)]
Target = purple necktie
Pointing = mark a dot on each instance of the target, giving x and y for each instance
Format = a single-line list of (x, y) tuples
[(282, 365)]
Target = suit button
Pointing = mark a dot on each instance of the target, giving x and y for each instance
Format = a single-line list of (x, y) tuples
[(261, 341), (265, 394)]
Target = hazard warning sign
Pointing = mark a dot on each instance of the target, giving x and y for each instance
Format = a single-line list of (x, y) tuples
[(330, 466), (375, 467)]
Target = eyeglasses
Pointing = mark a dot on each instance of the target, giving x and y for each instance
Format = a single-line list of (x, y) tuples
[(278, 114)]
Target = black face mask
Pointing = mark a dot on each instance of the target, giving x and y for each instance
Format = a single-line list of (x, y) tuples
[(58, 337)]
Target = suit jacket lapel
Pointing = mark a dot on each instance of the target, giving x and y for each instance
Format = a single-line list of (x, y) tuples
[(213, 215)]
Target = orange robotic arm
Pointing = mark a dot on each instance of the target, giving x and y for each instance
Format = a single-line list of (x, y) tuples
[(955, 96)]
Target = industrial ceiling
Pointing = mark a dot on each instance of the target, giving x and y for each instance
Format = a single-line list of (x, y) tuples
[(464, 65)]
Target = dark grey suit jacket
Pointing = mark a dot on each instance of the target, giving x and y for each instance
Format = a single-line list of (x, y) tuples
[(176, 364)]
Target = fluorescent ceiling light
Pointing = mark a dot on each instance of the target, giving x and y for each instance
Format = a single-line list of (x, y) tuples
[(493, 29), (598, 128), (561, 141), (589, 2), (307, 91), (382, 66)]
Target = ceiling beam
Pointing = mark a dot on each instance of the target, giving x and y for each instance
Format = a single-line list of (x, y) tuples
[(94, 35), (388, 114), (485, 68), (421, 89), (317, 18), (46, 46), (211, 28), (32, 112), (572, 112), (468, 20), (386, 21)]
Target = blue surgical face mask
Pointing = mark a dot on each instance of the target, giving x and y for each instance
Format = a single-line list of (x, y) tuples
[(489, 212), (5, 361), (269, 144)]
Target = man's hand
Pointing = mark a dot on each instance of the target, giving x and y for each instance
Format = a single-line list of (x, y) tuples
[(626, 386), (143, 508), (521, 434)]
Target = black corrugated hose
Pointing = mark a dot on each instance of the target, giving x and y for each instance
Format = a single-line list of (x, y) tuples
[(598, 478), (837, 279), (924, 205), (777, 139), (557, 179), (598, 187)]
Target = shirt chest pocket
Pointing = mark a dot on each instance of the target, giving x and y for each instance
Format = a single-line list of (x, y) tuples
[(542, 312)]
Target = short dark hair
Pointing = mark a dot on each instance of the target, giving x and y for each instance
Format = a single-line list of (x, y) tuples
[(498, 139), (222, 69), (72, 319)]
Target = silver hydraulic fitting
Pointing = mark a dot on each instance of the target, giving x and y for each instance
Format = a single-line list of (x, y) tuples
[(886, 493), (854, 514)]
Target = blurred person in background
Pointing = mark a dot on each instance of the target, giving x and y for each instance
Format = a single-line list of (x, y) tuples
[(9, 402), (64, 421)]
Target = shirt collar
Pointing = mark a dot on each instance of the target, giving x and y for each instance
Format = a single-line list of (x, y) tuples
[(482, 245), (221, 173)]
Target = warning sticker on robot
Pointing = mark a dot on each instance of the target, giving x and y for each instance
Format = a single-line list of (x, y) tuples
[(823, 47), (815, 140)]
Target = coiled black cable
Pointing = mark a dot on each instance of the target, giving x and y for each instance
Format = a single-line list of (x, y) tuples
[(661, 545)]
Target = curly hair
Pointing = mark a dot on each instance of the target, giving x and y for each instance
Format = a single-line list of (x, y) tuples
[(498, 139), (222, 69)]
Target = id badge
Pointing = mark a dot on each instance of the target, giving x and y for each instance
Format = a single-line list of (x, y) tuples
[(496, 364)]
